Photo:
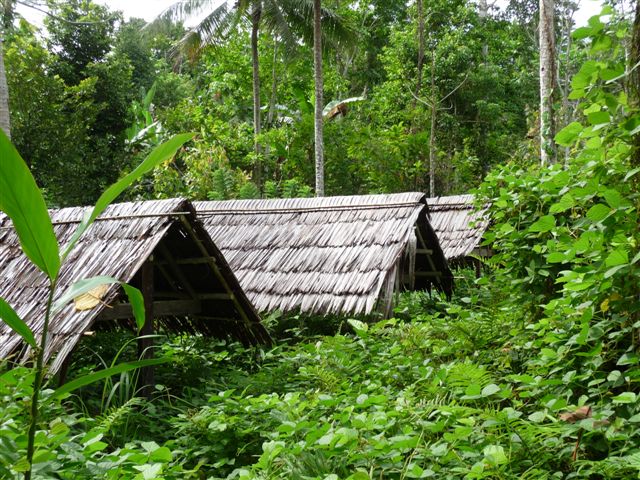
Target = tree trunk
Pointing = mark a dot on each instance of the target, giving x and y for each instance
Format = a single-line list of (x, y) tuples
[(634, 79), (483, 13), (432, 134), (420, 49), (317, 71), (255, 31), (547, 82), (5, 122)]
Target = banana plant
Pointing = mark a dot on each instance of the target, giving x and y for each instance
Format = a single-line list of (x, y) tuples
[(22, 201)]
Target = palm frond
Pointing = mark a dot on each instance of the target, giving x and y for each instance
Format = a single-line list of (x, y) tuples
[(212, 29), (186, 9), (276, 21), (335, 30)]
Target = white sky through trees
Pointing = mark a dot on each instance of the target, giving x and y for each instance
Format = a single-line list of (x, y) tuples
[(150, 9)]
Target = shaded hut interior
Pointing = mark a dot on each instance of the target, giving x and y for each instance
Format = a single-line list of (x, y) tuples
[(157, 246), (329, 255)]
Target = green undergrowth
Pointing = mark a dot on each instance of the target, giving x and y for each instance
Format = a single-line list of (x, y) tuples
[(460, 391)]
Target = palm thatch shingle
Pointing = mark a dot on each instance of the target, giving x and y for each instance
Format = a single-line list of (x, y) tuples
[(194, 289), (328, 255), (458, 224)]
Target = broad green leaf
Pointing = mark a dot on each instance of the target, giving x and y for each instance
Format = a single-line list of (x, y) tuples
[(494, 454), (22, 201), (161, 454), (612, 271), (587, 73), (537, 417), (15, 323), (359, 476), (359, 327), (625, 397), (102, 374), (613, 198), (473, 390), (565, 203), (631, 173), (543, 224), (569, 134), (582, 32), (490, 389), (628, 359), (87, 284), (617, 257), (160, 154), (556, 257), (598, 212), (598, 118), (137, 303)]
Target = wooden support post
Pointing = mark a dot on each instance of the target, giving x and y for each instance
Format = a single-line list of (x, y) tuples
[(146, 378), (64, 369)]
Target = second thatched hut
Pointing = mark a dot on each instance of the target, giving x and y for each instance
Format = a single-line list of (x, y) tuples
[(331, 255)]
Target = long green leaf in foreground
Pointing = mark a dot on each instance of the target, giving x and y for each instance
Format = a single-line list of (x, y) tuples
[(22, 201), (87, 284), (159, 154), (11, 318), (106, 373)]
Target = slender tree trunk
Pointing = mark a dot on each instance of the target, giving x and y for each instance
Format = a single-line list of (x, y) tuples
[(420, 48), (565, 85), (547, 82), (634, 79), (272, 98), (5, 119), (6, 23), (432, 133), (483, 13), (255, 31), (317, 71), (274, 86)]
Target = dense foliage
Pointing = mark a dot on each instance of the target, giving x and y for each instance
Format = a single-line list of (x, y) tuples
[(76, 93)]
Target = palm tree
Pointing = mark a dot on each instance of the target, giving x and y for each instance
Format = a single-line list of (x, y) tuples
[(289, 19), (6, 19), (219, 20), (319, 85)]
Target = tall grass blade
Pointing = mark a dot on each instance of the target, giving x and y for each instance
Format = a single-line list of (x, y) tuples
[(106, 373)]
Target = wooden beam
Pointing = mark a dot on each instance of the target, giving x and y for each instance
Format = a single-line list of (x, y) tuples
[(419, 235), (190, 261), (161, 308), (216, 296), (428, 274), (217, 271), (176, 269)]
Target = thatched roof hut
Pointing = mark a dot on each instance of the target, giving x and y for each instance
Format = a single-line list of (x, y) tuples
[(328, 255), (192, 286), (459, 225)]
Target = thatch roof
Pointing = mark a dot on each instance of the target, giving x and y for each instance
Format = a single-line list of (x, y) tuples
[(194, 289), (328, 255), (458, 224)]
